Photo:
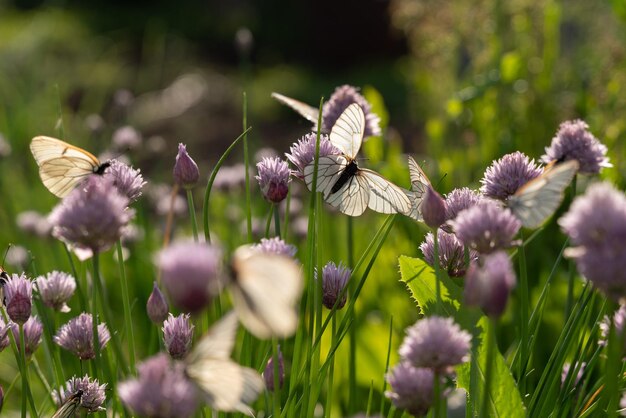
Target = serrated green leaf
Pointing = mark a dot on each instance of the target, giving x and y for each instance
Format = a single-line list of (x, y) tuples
[(420, 280)]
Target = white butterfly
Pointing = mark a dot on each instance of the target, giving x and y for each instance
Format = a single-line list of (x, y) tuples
[(346, 186), (224, 384), (61, 165), (419, 184), (266, 289), (70, 406), (538, 199), (310, 113)]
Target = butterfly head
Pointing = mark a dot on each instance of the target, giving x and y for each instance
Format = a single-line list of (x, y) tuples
[(99, 170)]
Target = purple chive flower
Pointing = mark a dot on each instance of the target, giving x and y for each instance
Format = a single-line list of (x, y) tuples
[(411, 388), (334, 280), (186, 171), (433, 208), (579, 368), (33, 328), (4, 334), (126, 179), (161, 390), (34, 223), (486, 227), (506, 175), (489, 283), (177, 335), (339, 101), (268, 373), (451, 253), (573, 141), (93, 396), (77, 336), (596, 225), (302, 152), (93, 216), (56, 289), (273, 179), (18, 294), (126, 137), (460, 199), (275, 246), (191, 274), (157, 306), (435, 342)]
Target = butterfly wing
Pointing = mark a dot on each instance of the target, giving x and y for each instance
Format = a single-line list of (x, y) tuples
[(310, 113), (70, 406), (419, 183), (352, 198), (61, 165), (538, 199), (225, 385), (385, 197), (265, 292), (329, 169), (347, 133)]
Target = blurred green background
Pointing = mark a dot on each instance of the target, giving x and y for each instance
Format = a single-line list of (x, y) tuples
[(456, 83)]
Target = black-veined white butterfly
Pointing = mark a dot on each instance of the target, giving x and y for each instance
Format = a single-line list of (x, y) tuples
[(266, 289), (538, 199), (70, 406), (310, 113), (346, 186), (225, 385), (419, 184), (61, 165)]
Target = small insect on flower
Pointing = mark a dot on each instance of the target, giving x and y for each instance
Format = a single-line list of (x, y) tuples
[(266, 289), (70, 406), (63, 166), (346, 186), (537, 200), (225, 385)]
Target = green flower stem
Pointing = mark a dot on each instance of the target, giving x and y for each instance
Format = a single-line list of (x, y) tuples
[(209, 186), (436, 395), (524, 302), (82, 299), (42, 378), (26, 393), (330, 391), (571, 268), (276, 364), (94, 312), (439, 306), (353, 328), (613, 366), (268, 222), (126, 303), (491, 347), (246, 163), (276, 220), (192, 214)]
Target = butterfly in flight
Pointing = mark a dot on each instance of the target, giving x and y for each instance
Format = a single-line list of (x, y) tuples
[(61, 165), (70, 406), (308, 112), (266, 289), (346, 186), (224, 384), (538, 199)]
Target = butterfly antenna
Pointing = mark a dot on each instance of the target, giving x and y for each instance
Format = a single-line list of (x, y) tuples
[(6, 252)]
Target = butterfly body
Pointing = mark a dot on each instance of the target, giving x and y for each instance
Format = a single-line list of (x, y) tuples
[(346, 186), (346, 175), (63, 166)]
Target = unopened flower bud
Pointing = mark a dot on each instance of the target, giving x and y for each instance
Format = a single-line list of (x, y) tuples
[(18, 292), (157, 306), (186, 171), (268, 373), (433, 208)]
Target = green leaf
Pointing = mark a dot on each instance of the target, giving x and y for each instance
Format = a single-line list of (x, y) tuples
[(420, 280)]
